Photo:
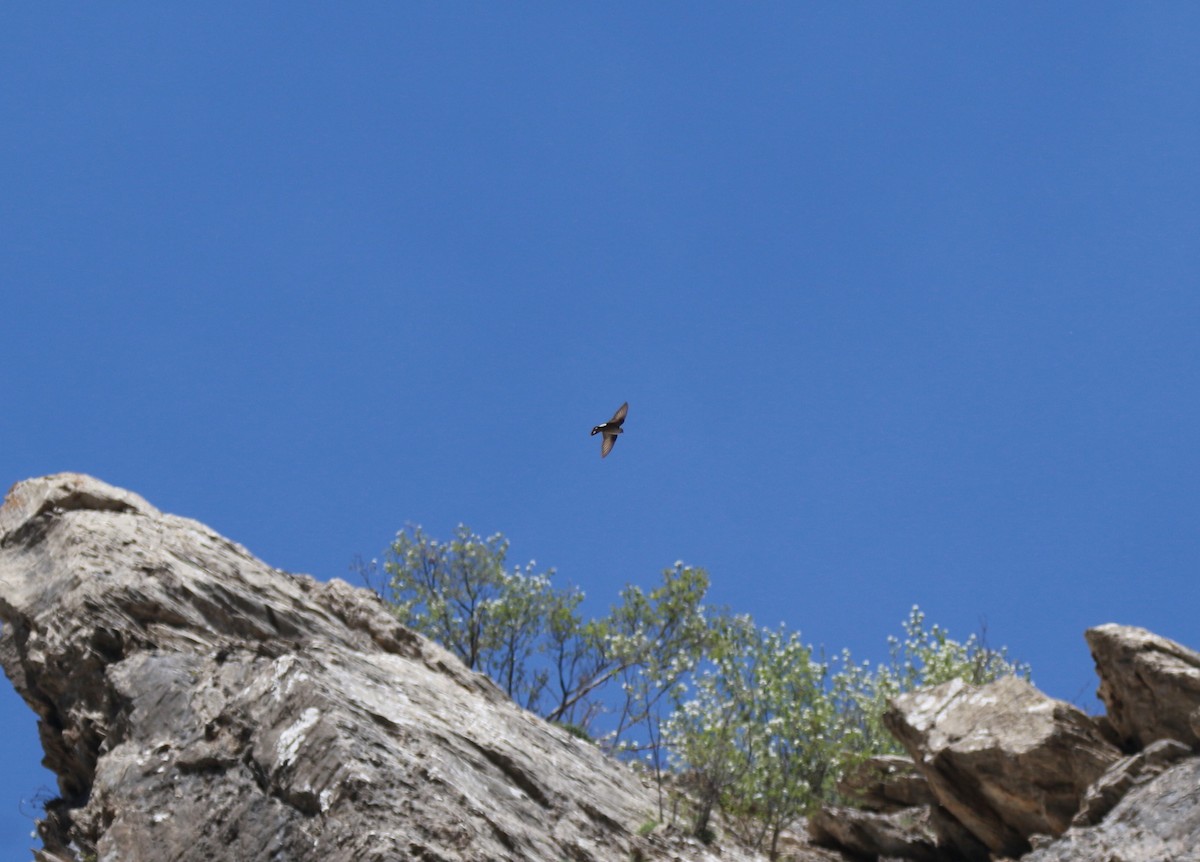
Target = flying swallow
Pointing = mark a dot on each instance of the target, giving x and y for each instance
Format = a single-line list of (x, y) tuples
[(611, 429)]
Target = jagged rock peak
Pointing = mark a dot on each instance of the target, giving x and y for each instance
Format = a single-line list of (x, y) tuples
[(165, 580), (1150, 685), (1004, 759), (199, 705)]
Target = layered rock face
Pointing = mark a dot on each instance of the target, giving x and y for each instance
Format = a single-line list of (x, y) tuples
[(1150, 685), (1006, 760), (1009, 772), (1158, 821), (197, 704)]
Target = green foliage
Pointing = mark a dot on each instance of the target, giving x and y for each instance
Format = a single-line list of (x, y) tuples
[(654, 639), (753, 721), (761, 735), (460, 594), (925, 657), (530, 637), (770, 728)]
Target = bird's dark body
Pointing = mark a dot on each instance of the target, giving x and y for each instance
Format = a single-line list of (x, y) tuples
[(611, 429)]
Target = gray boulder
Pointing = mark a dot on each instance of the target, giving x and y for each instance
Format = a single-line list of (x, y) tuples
[(1124, 775), (925, 833), (885, 783), (1158, 821), (895, 815), (1005, 760), (1150, 685)]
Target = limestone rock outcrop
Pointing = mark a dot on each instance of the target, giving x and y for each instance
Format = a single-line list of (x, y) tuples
[(924, 833), (1150, 685), (895, 815), (1034, 778), (1127, 773), (1005, 760), (199, 705), (1158, 821), (886, 783)]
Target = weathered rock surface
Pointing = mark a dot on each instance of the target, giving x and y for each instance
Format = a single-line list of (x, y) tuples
[(899, 833), (1156, 822), (197, 704), (895, 815), (924, 833), (886, 783), (1128, 772), (1150, 685), (1005, 760)]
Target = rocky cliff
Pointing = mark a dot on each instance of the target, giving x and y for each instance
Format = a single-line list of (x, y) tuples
[(197, 704), (1002, 771)]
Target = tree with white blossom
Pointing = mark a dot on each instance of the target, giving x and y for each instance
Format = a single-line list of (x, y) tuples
[(751, 721)]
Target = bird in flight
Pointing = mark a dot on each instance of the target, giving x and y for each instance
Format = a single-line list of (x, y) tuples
[(611, 429)]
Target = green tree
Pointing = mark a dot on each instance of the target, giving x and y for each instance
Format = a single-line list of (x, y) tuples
[(755, 722), (654, 641), (770, 727), (577, 664), (531, 638), (760, 737), (460, 594)]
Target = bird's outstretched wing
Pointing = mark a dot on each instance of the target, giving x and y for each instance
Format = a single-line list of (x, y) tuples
[(607, 443), (619, 416)]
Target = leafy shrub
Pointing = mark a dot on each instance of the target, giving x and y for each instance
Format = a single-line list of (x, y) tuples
[(752, 721)]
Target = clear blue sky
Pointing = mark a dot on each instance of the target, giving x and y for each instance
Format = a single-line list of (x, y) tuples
[(905, 300)]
